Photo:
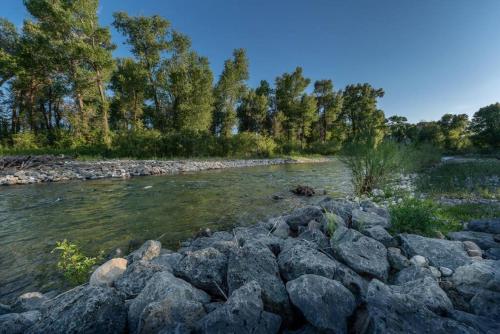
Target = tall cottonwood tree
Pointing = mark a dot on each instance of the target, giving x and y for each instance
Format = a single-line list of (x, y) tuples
[(228, 92), (329, 107)]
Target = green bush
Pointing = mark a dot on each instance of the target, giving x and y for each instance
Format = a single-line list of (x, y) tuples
[(25, 141), (417, 217), (247, 144), (75, 266)]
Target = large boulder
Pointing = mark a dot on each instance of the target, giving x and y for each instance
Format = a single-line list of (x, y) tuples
[(222, 241), (134, 279), (380, 234), (242, 313), (280, 228), (488, 225), (18, 323), (300, 258), (475, 277), (317, 239), (85, 309), (325, 303), (109, 272), (363, 254), (439, 252), (254, 262), (258, 234), (340, 207), (171, 315), (483, 240), (302, 216), (160, 286), (412, 273), (487, 304), (168, 261), (362, 220), (391, 312), (428, 292), (206, 269), (481, 324), (148, 251), (397, 260)]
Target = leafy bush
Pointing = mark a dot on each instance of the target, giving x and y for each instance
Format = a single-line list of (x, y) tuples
[(75, 266), (25, 141), (247, 144), (372, 167)]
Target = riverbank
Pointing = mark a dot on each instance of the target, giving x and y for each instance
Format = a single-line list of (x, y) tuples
[(333, 267), (17, 170)]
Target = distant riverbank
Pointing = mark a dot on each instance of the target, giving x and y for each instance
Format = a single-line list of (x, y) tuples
[(37, 169)]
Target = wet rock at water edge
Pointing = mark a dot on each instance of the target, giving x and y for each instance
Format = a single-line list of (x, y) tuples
[(302, 217), (85, 309), (242, 313), (30, 301), (18, 323), (325, 303), (303, 191), (134, 279), (148, 251), (109, 272)]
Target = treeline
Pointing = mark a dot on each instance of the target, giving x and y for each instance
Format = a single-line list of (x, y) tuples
[(61, 88)]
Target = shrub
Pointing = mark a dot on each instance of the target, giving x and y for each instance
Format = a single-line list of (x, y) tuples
[(248, 144), (416, 216), (25, 141), (332, 222), (74, 265), (372, 167)]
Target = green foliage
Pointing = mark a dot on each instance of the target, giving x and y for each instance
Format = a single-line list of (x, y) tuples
[(417, 217), (332, 222), (75, 266), (247, 144), (462, 179), (25, 141), (486, 127), (372, 166)]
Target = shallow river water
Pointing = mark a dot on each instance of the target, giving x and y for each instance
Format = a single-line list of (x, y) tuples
[(110, 214)]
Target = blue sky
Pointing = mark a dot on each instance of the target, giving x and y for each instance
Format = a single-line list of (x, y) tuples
[(430, 56)]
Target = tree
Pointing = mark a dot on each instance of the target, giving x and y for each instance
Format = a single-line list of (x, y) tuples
[(252, 112), (329, 107), (128, 83), (430, 132), (149, 39), (290, 101), (228, 92), (455, 131), (485, 127), (365, 122), (398, 128)]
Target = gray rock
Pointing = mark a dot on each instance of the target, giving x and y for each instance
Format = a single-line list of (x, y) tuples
[(362, 220), (307, 329), (486, 303), (325, 303), (134, 279), (222, 241), (446, 272), (365, 255), (397, 260), (481, 324), (242, 313), (148, 251), (352, 281), (492, 254), (489, 225), (85, 309), (4, 309), (280, 228), (258, 235), (18, 323), (419, 261), (30, 301), (473, 250), (392, 312), (340, 207), (440, 253), (109, 272), (428, 292), (475, 277), (435, 272), (302, 216), (412, 273), (301, 259), (483, 240), (381, 235), (171, 315), (317, 239), (206, 269), (168, 261), (256, 263), (160, 286)]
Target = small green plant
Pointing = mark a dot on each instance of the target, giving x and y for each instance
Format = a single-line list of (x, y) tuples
[(417, 217), (74, 265), (332, 221)]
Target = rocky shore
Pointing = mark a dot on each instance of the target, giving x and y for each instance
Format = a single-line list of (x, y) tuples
[(330, 268), (37, 169)]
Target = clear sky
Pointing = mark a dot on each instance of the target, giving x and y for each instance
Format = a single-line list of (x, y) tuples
[(430, 56)]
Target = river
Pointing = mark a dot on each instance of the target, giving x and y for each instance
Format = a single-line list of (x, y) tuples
[(110, 214)]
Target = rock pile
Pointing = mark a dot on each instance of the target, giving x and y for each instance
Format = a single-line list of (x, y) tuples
[(290, 274)]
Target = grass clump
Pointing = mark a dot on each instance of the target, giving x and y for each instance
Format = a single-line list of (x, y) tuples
[(75, 266), (332, 222)]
